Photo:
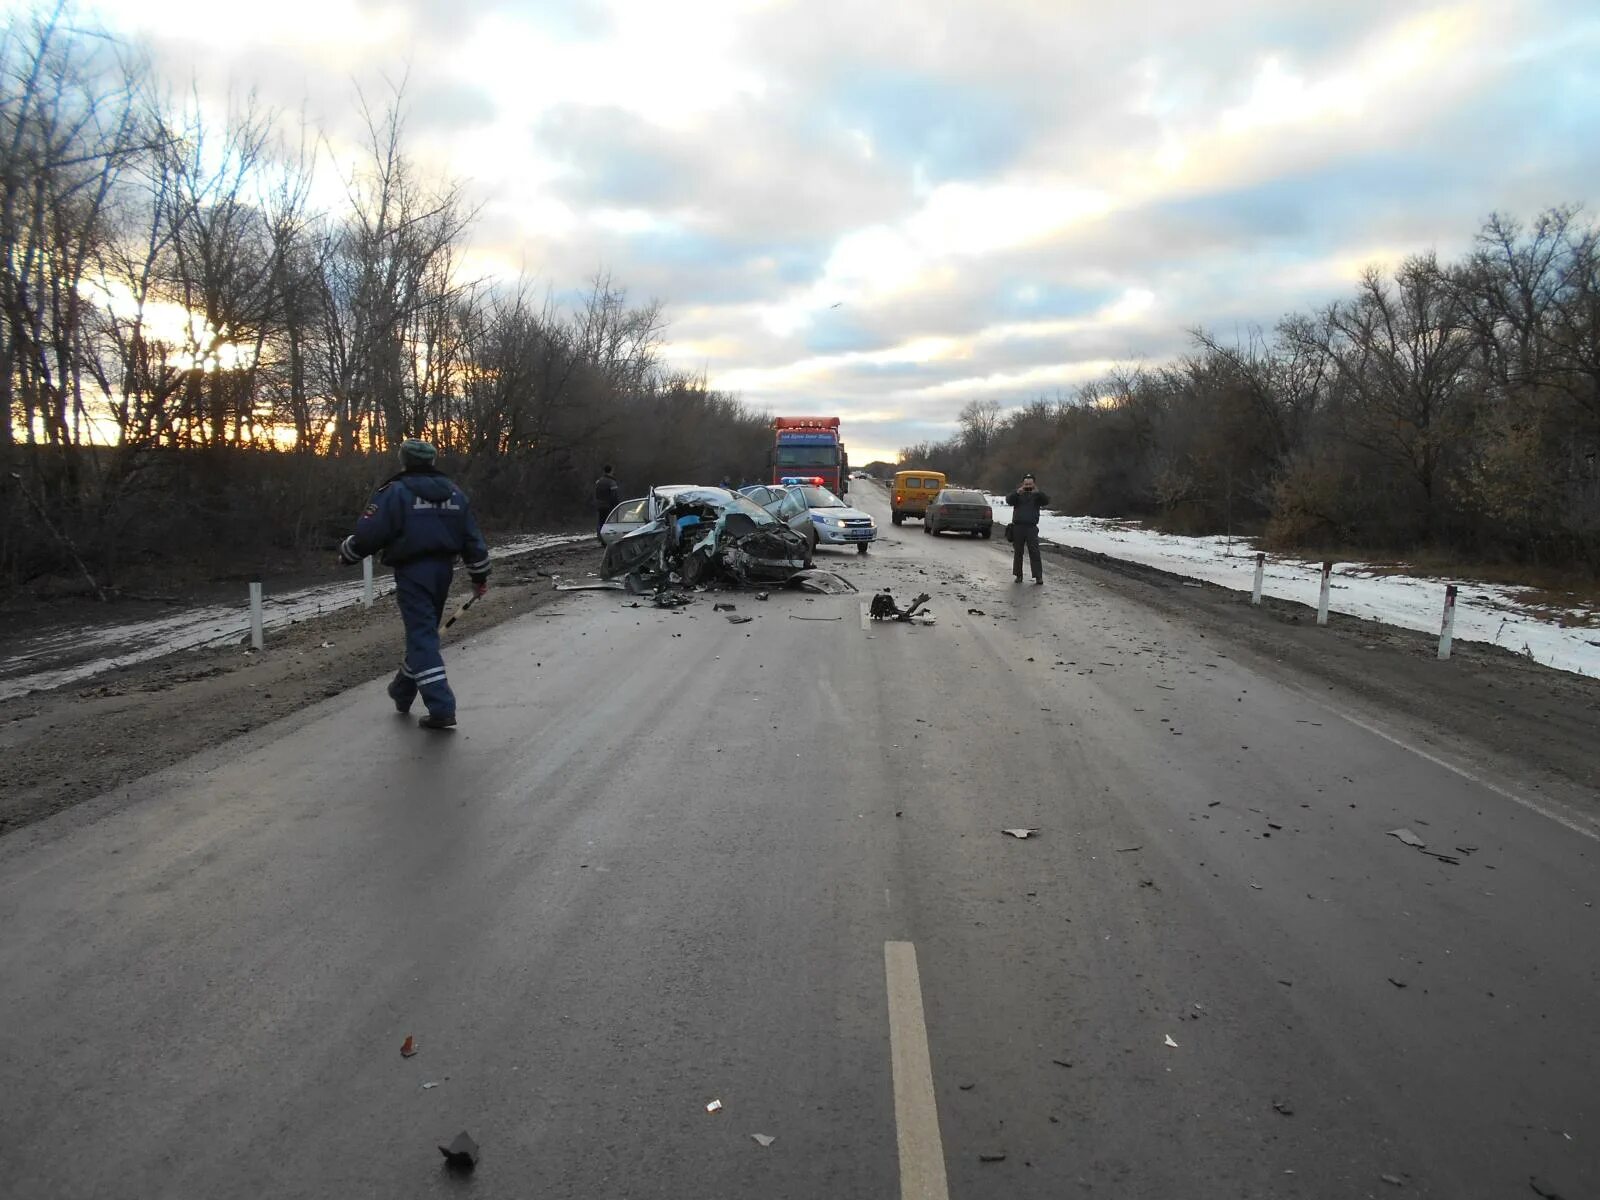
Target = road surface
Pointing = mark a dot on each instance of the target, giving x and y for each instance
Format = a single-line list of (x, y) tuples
[(667, 859)]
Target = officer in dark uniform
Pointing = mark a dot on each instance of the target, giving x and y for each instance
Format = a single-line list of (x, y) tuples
[(607, 495), (420, 522)]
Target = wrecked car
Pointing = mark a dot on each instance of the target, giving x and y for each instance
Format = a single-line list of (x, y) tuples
[(703, 534)]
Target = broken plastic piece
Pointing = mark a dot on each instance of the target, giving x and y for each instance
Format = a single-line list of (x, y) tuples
[(724, 607), (408, 1047), (714, 1106), (996, 1156), (1170, 1042), (1406, 836), (430, 1085), (1283, 1107), (1394, 1179), (1020, 833), (825, 582), (763, 1139), (737, 620), (462, 1153)]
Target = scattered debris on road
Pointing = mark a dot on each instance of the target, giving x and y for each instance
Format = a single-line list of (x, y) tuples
[(824, 583), (1542, 1188), (884, 608), (1062, 1062), (976, 612), (736, 620), (795, 617), (409, 1047), (430, 1085), (1021, 832), (714, 1106), (609, 585), (1397, 982), (763, 1139), (716, 608), (1170, 1042), (1393, 1179), (462, 1153), (1421, 847), (1283, 1107), (1128, 849), (995, 1156)]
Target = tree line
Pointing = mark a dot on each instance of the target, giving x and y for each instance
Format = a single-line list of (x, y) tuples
[(199, 364), (1449, 406)]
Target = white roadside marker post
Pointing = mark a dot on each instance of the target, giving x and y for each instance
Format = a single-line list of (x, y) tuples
[(257, 639), (1447, 629), (366, 582), (1322, 599), (1261, 570)]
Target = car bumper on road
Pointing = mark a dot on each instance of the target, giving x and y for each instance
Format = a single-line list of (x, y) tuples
[(962, 524)]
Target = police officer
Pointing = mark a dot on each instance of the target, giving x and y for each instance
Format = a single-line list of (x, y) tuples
[(420, 521), (607, 495), (1025, 503)]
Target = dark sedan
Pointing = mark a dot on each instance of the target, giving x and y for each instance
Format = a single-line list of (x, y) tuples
[(956, 510)]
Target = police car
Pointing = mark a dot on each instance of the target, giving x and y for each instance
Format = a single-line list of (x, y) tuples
[(813, 510)]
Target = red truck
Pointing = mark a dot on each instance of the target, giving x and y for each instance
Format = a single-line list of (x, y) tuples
[(809, 448)]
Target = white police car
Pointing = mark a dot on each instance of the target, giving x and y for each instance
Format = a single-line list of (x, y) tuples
[(817, 513)]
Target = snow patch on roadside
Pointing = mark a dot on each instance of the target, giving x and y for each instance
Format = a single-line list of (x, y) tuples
[(43, 662), (1485, 612)]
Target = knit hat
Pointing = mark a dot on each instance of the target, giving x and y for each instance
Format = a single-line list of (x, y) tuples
[(417, 453)]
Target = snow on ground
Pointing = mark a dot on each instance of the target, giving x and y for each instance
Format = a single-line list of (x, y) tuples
[(71, 655), (1485, 612)]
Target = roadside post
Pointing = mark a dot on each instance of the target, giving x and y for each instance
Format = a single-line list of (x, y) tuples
[(1322, 598), (1261, 570), (1447, 629), (366, 582), (257, 639)]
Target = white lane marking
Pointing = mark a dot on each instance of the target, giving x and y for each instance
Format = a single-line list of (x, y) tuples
[(1471, 776), (916, 1115)]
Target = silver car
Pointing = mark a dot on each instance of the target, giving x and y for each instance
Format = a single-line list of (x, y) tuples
[(817, 513)]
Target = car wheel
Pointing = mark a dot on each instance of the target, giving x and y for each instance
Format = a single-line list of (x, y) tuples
[(927, 526), (861, 547), (988, 532), (896, 518)]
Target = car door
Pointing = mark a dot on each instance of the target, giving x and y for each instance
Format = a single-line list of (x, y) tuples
[(624, 519), (791, 510)]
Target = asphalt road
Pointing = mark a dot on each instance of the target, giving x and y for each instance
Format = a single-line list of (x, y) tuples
[(667, 860)]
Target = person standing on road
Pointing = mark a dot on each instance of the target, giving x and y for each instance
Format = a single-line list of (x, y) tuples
[(1025, 504), (420, 521), (607, 495)]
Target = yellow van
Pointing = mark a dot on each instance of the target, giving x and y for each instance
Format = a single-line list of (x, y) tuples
[(912, 492)]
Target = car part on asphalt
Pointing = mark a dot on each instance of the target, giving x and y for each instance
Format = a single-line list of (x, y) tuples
[(823, 582), (462, 1153), (884, 608)]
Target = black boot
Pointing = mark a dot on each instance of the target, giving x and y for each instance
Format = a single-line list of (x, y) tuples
[(432, 722)]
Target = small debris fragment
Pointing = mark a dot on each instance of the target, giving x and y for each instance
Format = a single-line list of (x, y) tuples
[(1283, 1107), (408, 1047), (1061, 1062), (1398, 983), (1128, 849), (1394, 1179), (1020, 833), (966, 1087), (430, 1085), (763, 1139), (1170, 1042), (1409, 838), (740, 620), (976, 612), (462, 1153), (996, 1156), (1542, 1188), (724, 608), (714, 1106), (763, 595)]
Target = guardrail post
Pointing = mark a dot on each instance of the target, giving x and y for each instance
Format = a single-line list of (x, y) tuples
[(257, 637), (1447, 628), (1322, 598), (1261, 570), (366, 582)]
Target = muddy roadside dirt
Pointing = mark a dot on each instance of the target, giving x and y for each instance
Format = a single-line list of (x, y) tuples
[(68, 745)]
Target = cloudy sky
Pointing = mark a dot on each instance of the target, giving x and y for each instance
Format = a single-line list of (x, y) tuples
[(885, 208)]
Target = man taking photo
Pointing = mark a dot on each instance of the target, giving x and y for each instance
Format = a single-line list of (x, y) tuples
[(1026, 503)]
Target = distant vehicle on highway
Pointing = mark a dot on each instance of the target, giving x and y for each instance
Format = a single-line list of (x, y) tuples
[(817, 513), (809, 446), (957, 510), (912, 492)]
